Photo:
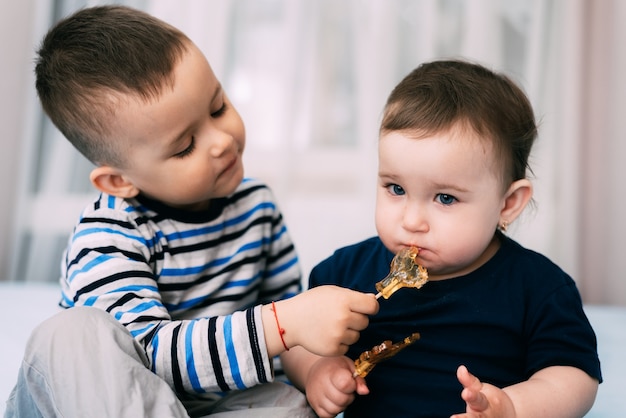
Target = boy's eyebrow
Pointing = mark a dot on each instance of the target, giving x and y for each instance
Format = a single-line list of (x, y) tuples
[(178, 138)]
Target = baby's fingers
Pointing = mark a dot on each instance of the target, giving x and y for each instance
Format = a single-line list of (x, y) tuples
[(468, 380), (472, 386), (361, 386)]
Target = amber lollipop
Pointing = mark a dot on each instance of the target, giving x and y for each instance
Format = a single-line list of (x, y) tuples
[(368, 359), (404, 272)]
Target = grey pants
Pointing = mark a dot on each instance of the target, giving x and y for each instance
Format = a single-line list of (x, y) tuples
[(83, 363)]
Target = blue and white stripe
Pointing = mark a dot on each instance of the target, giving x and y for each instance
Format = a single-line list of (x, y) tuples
[(189, 290)]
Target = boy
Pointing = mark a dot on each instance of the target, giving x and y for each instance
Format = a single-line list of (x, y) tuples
[(453, 155), (193, 260)]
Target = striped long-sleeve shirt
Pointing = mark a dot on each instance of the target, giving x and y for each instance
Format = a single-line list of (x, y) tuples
[(187, 285)]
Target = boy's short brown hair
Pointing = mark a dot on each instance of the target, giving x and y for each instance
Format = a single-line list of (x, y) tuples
[(95, 58)]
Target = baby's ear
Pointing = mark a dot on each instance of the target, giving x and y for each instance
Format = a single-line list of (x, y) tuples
[(517, 197), (109, 180)]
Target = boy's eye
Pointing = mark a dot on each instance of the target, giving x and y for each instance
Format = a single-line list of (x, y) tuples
[(219, 112), (445, 199), (187, 150), (395, 189)]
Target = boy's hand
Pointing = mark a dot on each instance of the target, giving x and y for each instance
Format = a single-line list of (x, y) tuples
[(482, 399), (330, 387), (325, 320)]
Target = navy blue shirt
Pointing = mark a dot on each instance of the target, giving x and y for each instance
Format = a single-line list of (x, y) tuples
[(513, 316)]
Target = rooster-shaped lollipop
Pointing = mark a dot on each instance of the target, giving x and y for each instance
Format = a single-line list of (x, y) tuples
[(368, 359), (405, 272)]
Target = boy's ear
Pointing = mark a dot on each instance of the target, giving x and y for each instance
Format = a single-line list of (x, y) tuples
[(109, 180), (515, 200)]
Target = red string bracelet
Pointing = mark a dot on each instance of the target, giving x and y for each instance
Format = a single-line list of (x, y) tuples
[(281, 331)]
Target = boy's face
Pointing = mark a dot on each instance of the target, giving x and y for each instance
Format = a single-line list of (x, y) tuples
[(442, 194), (185, 147)]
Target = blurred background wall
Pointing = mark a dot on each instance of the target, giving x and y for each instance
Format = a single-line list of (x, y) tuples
[(16, 45), (310, 79)]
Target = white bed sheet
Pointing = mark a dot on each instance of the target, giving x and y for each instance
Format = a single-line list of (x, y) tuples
[(23, 306)]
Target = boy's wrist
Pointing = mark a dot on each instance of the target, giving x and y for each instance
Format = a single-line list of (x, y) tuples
[(281, 330), (278, 337)]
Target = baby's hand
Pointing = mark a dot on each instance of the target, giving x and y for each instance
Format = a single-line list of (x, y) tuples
[(326, 319), (330, 387), (482, 399)]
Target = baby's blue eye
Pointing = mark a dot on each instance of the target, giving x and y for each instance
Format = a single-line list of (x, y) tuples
[(446, 199), (395, 189)]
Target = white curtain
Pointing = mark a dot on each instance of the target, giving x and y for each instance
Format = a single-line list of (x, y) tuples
[(602, 167), (310, 79)]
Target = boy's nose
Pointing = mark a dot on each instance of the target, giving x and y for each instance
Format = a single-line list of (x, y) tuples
[(220, 143)]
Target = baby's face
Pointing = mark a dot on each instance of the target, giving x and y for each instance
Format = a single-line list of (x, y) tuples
[(184, 148), (442, 194)]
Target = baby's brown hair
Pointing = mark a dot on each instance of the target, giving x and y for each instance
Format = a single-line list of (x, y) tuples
[(440, 95)]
